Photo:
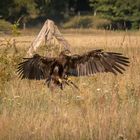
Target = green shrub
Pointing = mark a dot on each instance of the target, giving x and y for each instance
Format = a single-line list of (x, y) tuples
[(87, 22), (135, 25), (5, 26)]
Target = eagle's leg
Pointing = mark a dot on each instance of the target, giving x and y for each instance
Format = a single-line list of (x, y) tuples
[(50, 84), (61, 87), (68, 82), (61, 83), (48, 81), (73, 84)]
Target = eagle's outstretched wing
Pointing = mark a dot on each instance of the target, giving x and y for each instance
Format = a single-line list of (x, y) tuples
[(37, 67), (96, 61)]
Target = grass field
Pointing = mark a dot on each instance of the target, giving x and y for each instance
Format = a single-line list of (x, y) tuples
[(106, 108)]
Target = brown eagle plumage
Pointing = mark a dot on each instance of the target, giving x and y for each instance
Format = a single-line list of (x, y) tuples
[(58, 69)]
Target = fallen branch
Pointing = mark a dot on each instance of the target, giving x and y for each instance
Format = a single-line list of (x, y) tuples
[(48, 32)]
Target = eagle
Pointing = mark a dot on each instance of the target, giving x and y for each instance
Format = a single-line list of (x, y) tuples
[(57, 70)]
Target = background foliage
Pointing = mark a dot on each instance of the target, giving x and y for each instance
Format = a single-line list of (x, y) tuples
[(123, 14)]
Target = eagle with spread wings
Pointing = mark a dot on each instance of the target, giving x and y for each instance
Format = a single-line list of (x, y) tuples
[(57, 70)]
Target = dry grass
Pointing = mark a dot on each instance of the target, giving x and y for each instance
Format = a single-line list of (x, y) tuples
[(107, 108)]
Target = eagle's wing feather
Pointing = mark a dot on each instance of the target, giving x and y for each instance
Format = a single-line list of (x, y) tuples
[(96, 61), (37, 67)]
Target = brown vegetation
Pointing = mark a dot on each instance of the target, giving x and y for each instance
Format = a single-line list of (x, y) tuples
[(107, 110)]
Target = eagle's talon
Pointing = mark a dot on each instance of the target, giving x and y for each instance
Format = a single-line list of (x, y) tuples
[(68, 79), (60, 80)]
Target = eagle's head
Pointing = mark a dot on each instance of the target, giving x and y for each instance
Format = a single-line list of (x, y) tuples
[(65, 53)]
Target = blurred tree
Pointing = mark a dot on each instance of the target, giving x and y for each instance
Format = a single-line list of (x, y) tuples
[(123, 13), (52, 8), (128, 12), (4, 8), (23, 7), (12, 10)]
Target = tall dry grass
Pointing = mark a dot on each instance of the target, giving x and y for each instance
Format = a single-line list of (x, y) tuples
[(107, 108)]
